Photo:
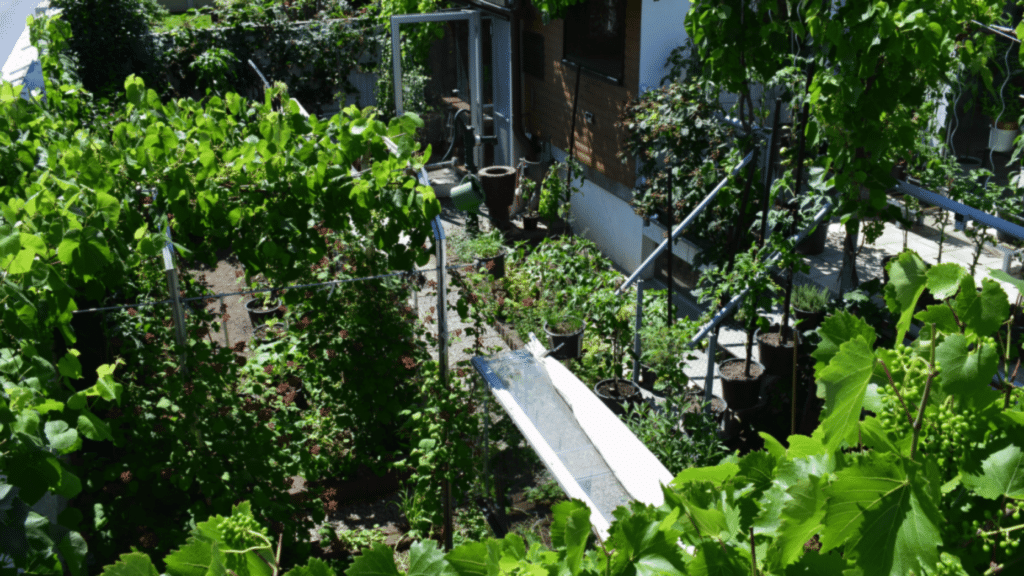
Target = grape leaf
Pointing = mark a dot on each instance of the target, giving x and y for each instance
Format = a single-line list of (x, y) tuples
[(380, 561), (883, 511), (314, 567), (906, 284), (1003, 276), (981, 313), (944, 279), (465, 560), (62, 438), (713, 559), (967, 373), (717, 474), (134, 564), (198, 557), (426, 559), (836, 329), (941, 316), (814, 564), (570, 528), (1002, 473), (801, 520), (843, 384)]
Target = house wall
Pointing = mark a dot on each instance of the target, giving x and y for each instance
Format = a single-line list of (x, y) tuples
[(548, 102), (661, 30)]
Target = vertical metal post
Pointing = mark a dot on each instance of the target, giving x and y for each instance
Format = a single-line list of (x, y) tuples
[(442, 361), (227, 339), (671, 245), (709, 381), (636, 336), (396, 64), (476, 106), (177, 311)]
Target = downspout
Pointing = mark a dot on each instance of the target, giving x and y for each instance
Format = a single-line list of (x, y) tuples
[(522, 142)]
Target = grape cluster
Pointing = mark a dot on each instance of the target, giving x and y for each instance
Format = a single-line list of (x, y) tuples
[(946, 430), (237, 532), (949, 565)]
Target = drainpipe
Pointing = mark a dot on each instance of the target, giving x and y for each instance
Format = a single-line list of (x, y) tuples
[(522, 142)]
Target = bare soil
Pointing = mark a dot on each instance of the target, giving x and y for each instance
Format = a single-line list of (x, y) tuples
[(621, 389), (734, 371)]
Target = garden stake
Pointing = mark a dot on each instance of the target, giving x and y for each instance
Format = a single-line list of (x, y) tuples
[(773, 155), (709, 381), (792, 398), (671, 243)]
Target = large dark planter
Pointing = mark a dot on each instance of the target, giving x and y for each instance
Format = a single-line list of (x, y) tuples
[(495, 265), (808, 320), (696, 400), (499, 184), (258, 315), (777, 359), (571, 344), (814, 244), (740, 392), (617, 394), (530, 221)]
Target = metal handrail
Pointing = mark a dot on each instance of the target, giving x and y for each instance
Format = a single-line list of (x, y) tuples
[(963, 209), (728, 309), (682, 226)]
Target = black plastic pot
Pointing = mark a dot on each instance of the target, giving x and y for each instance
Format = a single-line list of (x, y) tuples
[(571, 344), (258, 315), (497, 269), (777, 360), (814, 244), (718, 407), (617, 403), (265, 333), (530, 222), (647, 378), (741, 393), (885, 263), (808, 320)]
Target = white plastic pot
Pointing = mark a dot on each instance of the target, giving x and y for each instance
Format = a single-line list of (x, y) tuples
[(1001, 140)]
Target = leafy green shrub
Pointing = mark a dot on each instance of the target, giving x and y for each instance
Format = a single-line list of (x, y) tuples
[(810, 298), (112, 40)]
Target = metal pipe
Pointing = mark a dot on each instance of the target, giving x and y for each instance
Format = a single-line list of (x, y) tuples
[(682, 226), (709, 380), (985, 218)]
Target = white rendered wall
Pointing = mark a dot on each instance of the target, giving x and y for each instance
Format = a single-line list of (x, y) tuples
[(661, 30), (607, 220)]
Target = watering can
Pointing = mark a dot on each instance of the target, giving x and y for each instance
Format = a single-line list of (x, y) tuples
[(469, 195)]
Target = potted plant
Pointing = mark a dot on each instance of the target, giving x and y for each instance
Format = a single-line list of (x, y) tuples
[(809, 305), (663, 355), (1004, 115), (565, 335), (611, 317), (741, 377), (530, 220), (264, 304), (556, 194), (483, 250)]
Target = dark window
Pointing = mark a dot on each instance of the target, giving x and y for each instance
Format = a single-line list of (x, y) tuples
[(533, 54), (595, 36)]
